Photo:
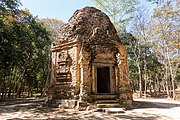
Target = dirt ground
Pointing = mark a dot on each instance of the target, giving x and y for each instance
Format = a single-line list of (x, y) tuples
[(146, 109)]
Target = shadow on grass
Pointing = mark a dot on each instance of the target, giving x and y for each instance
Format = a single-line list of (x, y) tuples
[(21, 100), (36, 108), (147, 104), (33, 104), (101, 116)]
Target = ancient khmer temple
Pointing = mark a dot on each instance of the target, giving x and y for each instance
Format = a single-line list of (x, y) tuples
[(89, 61)]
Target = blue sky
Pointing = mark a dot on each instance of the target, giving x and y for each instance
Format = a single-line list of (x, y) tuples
[(58, 9)]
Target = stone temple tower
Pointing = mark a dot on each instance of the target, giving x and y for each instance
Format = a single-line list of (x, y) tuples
[(89, 61)]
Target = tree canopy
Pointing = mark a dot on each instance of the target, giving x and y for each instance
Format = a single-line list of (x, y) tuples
[(118, 10), (23, 45)]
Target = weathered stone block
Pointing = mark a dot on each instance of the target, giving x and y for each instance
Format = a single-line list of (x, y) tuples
[(68, 104)]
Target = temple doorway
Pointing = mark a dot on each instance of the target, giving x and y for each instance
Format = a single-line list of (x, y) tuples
[(103, 80)]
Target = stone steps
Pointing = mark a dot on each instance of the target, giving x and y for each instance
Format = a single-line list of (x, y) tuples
[(113, 110), (109, 104), (106, 101), (106, 97)]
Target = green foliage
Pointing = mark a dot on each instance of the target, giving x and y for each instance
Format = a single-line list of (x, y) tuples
[(155, 49), (9, 6), (24, 49), (118, 10), (156, 1)]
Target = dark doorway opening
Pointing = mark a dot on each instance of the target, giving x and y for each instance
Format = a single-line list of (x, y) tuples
[(103, 80)]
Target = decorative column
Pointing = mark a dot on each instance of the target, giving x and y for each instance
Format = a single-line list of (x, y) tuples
[(125, 92), (84, 76)]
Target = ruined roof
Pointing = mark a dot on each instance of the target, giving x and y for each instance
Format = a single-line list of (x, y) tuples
[(91, 26)]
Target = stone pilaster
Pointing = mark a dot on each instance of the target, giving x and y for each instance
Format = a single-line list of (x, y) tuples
[(84, 79), (125, 92)]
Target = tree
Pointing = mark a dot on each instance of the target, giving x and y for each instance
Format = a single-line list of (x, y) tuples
[(139, 27), (165, 35), (118, 10), (23, 41), (156, 1), (9, 6), (53, 25)]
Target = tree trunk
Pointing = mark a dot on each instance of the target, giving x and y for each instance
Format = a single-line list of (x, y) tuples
[(172, 78), (31, 91), (2, 91), (145, 84), (167, 81), (171, 73), (159, 86), (19, 90), (3, 87), (140, 82), (9, 92), (167, 88), (150, 87), (47, 79)]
